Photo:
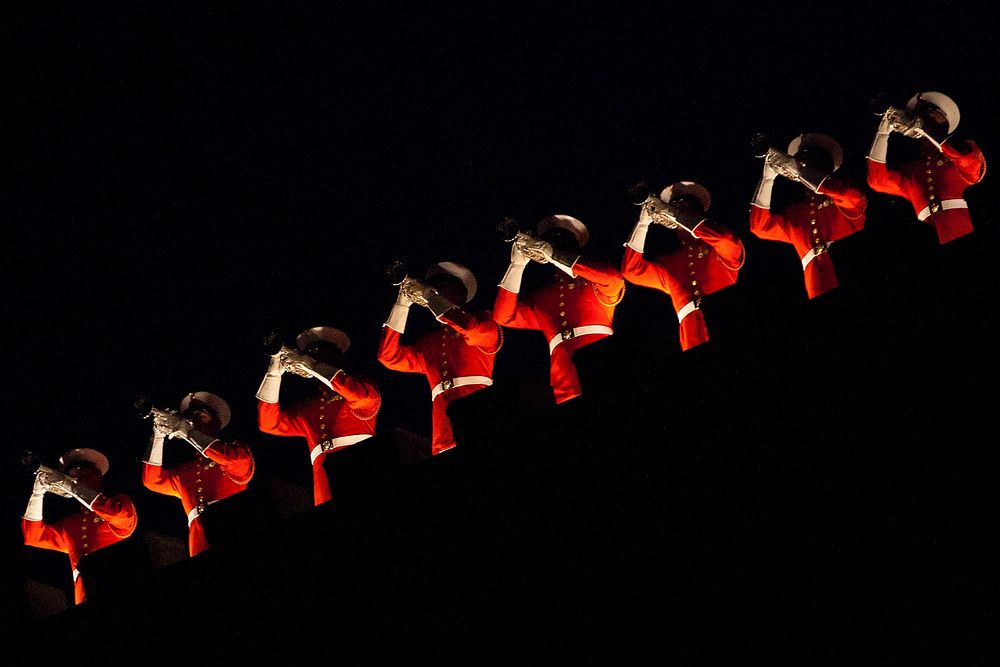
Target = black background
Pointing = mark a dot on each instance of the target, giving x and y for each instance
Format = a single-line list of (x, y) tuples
[(184, 180)]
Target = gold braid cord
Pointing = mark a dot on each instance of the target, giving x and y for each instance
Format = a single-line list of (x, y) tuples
[(130, 531), (374, 410), (499, 343), (618, 299), (982, 170), (743, 258), (253, 469)]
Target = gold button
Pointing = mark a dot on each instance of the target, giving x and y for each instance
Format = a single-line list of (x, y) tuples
[(322, 416), (930, 187), (694, 282), (930, 180), (690, 263), (85, 545), (815, 231), (561, 303), (445, 362), (697, 292), (572, 286), (564, 322), (562, 313), (928, 171), (97, 519), (930, 196), (940, 162), (692, 273), (813, 221)]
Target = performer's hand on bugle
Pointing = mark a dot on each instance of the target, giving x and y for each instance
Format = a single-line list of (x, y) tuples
[(534, 249)]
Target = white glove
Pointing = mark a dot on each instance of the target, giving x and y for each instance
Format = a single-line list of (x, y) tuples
[(171, 425), (880, 145), (270, 386), (154, 452), (515, 271), (637, 241), (762, 197), (33, 512), (400, 310)]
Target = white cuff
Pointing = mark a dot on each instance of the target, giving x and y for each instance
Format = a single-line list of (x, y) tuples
[(512, 279), (880, 147), (33, 512), (397, 318), (269, 388), (155, 457), (638, 239), (762, 196), (568, 270)]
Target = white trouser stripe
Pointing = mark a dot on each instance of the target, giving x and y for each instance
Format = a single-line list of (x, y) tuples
[(194, 513), (945, 205), (686, 310), (76, 574), (440, 388), (577, 332), (336, 443)]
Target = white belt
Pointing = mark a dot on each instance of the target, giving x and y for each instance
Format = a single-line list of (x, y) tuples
[(943, 205), (813, 253), (445, 385), (336, 443), (196, 512), (76, 574), (577, 332), (688, 308)]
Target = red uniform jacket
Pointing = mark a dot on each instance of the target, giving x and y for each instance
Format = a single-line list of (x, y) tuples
[(934, 185), (701, 266), (112, 520), (812, 224), (327, 422), (559, 308), (225, 470), (464, 348)]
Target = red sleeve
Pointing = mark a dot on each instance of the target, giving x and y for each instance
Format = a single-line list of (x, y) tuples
[(235, 459), (272, 419), (397, 357), (159, 479), (727, 244), (766, 225), (41, 534), (850, 201), (509, 312), (118, 511), (606, 278), (361, 395), (971, 165), (638, 271), (478, 329), (880, 179)]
